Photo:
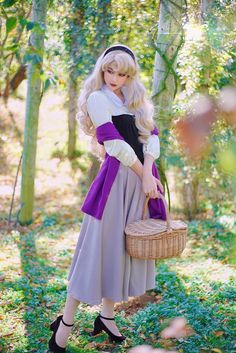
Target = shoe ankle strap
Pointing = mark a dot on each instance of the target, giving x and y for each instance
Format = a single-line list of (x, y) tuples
[(66, 323), (107, 318)]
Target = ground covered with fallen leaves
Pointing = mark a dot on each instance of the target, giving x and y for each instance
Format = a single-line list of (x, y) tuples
[(198, 288)]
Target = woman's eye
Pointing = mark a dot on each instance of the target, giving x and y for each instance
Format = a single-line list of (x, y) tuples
[(110, 72), (122, 75)]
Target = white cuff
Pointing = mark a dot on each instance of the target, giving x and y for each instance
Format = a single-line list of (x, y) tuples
[(152, 146), (121, 150)]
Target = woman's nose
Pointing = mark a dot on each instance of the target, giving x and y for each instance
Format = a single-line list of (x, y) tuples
[(114, 78)]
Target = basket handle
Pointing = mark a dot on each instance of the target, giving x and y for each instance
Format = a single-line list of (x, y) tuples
[(169, 229)]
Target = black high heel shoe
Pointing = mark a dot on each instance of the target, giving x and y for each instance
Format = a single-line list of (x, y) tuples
[(99, 326), (52, 342)]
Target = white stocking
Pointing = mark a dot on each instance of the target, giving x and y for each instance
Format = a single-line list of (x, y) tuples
[(63, 331), (108, 311)]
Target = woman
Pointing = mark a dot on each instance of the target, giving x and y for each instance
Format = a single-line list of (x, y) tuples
[(114, 109)]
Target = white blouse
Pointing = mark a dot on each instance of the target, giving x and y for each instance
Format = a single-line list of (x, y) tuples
[(104, 103)]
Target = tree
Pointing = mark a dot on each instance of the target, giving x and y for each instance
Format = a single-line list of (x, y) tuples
[(102, 39), (13, 21), (36, 48), (168, 42), (76, 41)]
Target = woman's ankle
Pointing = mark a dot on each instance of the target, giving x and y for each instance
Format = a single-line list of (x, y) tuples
[(108, 314), (62, 335), (66, 323), (107, 307)]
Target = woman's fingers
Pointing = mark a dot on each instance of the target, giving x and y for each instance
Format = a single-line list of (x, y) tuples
[(153, 194), (159, 184), (150, 187)]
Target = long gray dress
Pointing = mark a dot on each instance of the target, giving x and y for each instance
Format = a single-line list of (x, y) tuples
[(101, 267)]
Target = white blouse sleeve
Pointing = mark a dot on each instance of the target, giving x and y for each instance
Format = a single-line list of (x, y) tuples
[(100, 113), (152, 146)]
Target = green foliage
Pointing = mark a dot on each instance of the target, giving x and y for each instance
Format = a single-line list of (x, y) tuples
[(202, 301), (199, 286), (205, 65), (8, 3), (11, 24), (14, 20)]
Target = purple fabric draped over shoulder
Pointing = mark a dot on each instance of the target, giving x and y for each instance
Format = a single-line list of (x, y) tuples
[(99, 190)]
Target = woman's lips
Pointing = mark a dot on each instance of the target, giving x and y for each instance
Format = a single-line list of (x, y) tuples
[(113, 85)]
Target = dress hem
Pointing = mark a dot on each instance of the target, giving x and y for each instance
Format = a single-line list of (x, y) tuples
[(97, 302)]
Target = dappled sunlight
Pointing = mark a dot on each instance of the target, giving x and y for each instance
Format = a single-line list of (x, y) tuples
[(10, 262), (6, 190), (208, 269), (193, 32), (57, 184), (61, 247)]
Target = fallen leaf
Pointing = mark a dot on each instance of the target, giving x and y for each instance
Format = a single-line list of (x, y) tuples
[(6, 334), (218, 333)]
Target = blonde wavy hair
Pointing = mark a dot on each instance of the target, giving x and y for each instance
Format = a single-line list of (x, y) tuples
[(137, 101)]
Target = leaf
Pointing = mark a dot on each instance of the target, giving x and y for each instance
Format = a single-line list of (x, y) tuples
[(47, 84), (12, 47), (218, 333), (11, 24), (35, 58), (8, 3), (6, 334), (30, 25), (217, 350)]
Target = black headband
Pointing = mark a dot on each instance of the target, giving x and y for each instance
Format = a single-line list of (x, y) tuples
[(120, 47)]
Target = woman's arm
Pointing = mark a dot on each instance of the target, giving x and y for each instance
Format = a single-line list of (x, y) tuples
[(149, 182), (100, 114)]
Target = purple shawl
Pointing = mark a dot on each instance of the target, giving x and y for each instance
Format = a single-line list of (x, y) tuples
[(99, 190)]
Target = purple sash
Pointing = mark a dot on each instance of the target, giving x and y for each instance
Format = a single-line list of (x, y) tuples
[(99, 190)]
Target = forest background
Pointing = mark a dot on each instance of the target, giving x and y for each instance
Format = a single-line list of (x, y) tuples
[(185, 49)]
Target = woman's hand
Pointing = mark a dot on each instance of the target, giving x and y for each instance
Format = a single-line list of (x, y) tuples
[(150, 183), (159, 184)]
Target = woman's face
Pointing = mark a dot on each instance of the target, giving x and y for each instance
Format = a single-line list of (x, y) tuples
[(113, 79)]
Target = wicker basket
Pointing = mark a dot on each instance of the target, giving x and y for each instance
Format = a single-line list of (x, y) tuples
[(154, 238)]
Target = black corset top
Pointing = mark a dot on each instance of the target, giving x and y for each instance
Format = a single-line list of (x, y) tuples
[(125, 124)]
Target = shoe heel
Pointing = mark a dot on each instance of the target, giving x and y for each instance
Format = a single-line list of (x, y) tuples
[(53, 326), (97, 327), (95, 332)]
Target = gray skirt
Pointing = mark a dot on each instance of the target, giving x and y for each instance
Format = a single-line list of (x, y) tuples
[(101, 267)]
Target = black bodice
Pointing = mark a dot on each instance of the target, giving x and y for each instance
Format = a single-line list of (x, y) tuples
[(125, 124)]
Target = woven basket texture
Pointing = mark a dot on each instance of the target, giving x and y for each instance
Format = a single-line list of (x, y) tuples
[(155, 238)]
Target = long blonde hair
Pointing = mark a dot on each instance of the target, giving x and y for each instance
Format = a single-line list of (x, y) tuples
[(137, 101)]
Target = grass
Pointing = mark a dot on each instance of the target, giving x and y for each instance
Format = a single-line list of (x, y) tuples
[(34, 260), (199, 286)]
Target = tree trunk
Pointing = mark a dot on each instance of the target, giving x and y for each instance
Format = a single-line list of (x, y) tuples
[(190, 197), (19, 76), (77, 38), (205, 6), (72, 135), (32, 113), (169, 40), (103, 31)]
